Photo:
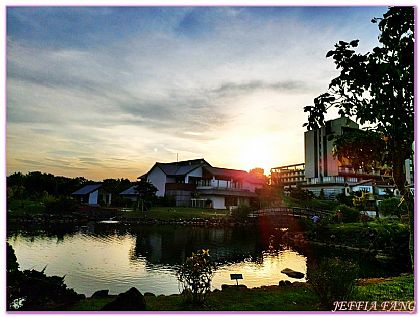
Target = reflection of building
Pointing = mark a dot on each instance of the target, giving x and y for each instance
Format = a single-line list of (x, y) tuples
[(171, 245), (288, 176), (196, 183)]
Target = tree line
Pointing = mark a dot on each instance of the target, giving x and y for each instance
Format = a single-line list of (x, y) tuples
[(36, 184)]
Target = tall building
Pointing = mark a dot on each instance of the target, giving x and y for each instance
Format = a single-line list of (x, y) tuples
[(326, 173)]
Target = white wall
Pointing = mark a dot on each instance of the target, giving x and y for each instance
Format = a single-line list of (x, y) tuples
[(218, 201), (158, 178), (363, 188), (93, 198)]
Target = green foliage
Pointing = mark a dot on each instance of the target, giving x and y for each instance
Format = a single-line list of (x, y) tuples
[(360, 200), (195, 277), (62, 205), (345, 200), (241, 213), (24, 207), (400, 288), (360, 149), (146, 194), (391, 207), (301, 194), (332, 280), (165, 201), (348, 214), (35, 184)]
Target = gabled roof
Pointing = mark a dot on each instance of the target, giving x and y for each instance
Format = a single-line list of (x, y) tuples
[(179, 168), (226, 172), (130, 191), (234, 174), (87, 189)]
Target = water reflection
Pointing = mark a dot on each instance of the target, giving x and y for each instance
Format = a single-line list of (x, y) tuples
[(113, 257)]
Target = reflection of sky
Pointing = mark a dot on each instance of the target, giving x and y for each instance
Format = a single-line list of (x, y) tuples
[(92, 263), (107, 91), (267, 272)]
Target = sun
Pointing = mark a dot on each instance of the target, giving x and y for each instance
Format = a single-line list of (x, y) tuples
[(257, 152)]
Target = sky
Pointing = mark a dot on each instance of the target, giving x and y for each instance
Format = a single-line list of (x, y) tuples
[(105, 92)]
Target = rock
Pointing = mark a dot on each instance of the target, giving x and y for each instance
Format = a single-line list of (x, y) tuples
[(128, 301), (285, 283), (101, 294), (293, 274)]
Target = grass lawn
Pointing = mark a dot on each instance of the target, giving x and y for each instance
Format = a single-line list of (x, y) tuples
[(177, 213), (273, 298)]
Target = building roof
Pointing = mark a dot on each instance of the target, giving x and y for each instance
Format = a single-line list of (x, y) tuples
[(234, 174), (180, 168), (226, 172), (130, 191), (87, 189)]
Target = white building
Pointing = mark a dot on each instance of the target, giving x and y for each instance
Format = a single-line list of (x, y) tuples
[(196, 183)]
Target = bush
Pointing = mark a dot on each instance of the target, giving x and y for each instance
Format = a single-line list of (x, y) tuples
[(348, 214), (62, 205), (390, 207), (165, 201), (301, 194), (195, 277), (241, 213), (332, 280)]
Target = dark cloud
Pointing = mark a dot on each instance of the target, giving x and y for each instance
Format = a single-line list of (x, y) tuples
[(289, 86)]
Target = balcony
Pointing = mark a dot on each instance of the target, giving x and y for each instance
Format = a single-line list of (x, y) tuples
[(218, 184), (349, 171), (179, 186)]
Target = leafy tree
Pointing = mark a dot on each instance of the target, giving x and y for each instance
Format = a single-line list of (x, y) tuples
[(361, 149), (146, 193), (378, 89)]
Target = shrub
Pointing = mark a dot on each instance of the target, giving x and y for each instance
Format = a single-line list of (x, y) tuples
[(348, 214), (63, 205), (390, 207), (332, 280), (241, 213), (195, 277), (301, 194)]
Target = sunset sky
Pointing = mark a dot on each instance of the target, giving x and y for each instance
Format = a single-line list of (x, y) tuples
[(105, 92)]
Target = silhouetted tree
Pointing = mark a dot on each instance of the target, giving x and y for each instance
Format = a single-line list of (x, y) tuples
[(146, 193)]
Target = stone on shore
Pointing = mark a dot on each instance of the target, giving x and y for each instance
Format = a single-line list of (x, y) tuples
[(292, 273), (285, 283), (128, 301)]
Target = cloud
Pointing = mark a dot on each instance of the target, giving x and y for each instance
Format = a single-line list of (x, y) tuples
[(139, 85)]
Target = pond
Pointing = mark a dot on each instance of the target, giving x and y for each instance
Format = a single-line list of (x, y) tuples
[(115, 257)]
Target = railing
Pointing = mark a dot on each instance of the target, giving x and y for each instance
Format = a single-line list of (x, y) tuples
[(351, 171), (291, 211)]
